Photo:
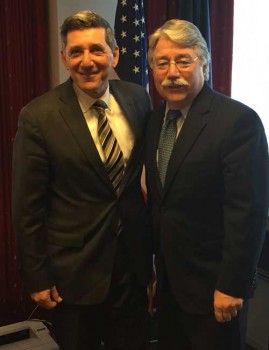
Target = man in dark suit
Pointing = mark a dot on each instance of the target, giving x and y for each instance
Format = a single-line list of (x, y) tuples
[(84, 246), (207, 181)]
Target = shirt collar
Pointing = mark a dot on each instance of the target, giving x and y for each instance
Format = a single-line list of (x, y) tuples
[(184, 111), (87, 101)]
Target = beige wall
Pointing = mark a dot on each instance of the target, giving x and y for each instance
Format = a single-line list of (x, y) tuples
[(58, 11)]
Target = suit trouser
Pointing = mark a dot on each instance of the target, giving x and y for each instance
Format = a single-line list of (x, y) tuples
[(121, 321), (180, 330)]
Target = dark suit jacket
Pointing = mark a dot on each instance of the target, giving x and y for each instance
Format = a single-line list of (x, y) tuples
[(210, 217), (66, 212)]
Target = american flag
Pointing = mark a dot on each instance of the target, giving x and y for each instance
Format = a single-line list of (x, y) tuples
[(130, 31)]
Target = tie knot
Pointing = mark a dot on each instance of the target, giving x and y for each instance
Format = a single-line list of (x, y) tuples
[(100, 104), (173, 114)]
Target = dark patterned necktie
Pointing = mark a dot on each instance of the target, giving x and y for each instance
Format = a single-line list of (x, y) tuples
[(114, 158), (167, 141)]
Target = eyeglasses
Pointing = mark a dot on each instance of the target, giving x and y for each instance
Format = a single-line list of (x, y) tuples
[(181, 63)]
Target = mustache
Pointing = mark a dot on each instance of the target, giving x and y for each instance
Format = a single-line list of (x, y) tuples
[(175, 82)]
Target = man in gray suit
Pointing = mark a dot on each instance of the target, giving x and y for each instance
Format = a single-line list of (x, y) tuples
[(207, 177), (79, 212)]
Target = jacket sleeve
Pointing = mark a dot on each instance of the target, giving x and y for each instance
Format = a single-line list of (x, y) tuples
[(245, 169), (29, 192)]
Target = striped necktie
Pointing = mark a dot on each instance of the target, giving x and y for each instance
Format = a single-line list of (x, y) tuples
[(114, 157), (167, 141)]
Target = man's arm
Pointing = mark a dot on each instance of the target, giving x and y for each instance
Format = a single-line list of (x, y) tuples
[(245, 170), (30, 199)]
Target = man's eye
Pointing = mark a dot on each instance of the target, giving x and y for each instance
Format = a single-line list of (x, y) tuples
[(162, 63), (97, 52), (183, 62), (75, 53)]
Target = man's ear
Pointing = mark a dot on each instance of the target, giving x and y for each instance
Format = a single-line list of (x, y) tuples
[(116, 56), (204, 69), (64, 59)]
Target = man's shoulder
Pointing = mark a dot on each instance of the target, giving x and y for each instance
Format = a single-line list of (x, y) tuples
[(49, 98), (231, 102)]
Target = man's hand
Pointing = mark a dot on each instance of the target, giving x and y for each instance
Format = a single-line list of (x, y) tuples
[(226, 306), (151, 295), (47, 299)]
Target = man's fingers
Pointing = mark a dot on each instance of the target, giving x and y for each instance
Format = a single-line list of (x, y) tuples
[(55, 295), (47, 299), (219, 316), (222, 316), (240, 306), (47, 304), (225, 315), (226, 306), (233, 312)]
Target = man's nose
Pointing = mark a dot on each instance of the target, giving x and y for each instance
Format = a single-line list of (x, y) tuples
[(87, 59), (173, 69)]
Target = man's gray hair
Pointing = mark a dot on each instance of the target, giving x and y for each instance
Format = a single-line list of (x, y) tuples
[(185, 34)]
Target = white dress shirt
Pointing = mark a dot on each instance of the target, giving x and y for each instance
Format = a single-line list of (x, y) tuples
[(116, 119)]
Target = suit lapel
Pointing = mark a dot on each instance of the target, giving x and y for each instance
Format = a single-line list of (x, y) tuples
[(126, 102), (74, 118), (127, 105), (193, 126), (152, 142), (189, 133), (195, 123)]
